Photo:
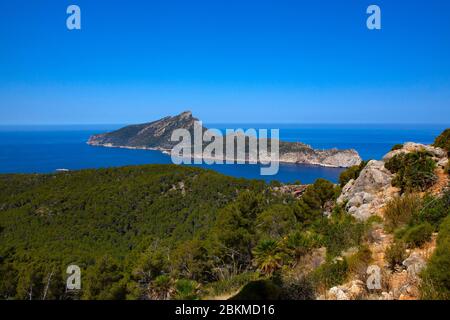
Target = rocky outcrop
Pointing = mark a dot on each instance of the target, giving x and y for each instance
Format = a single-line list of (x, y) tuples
[(352, 290), (366, 195), (330, 158), (414, 264), (439, 155), (404, 282), (369, 192), (436, 153), (157, 136)]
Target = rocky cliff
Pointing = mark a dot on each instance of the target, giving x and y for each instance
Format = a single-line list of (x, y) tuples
[(368, 194), (156, 135)]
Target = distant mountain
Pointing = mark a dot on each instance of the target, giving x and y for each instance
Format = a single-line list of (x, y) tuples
[(157, 135), (154, 134)]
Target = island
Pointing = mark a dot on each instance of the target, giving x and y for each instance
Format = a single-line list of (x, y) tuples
[(156, 135)]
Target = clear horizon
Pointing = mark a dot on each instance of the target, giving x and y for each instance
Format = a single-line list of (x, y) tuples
[(237, 123)]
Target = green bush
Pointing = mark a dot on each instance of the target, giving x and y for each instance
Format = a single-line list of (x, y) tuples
[(374, 219), (298, 289), (268, 257), (443, 140), (395, 254), (414, 171), (230, 284), (331, 273), (103, 281), (276, 221), (418, 235), (8, 280), (400, 210), (311, 205), (298, 243), (341, 232), (358, 263), (186, 290), (434, 210), (161, 288), (436, 277)]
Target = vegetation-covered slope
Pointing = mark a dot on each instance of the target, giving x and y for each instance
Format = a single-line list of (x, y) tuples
[(155, 232), (176, 232)]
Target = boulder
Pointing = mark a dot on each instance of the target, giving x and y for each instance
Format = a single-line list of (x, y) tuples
[(337, 293), (414, 264), (387, 296), (364, 195), (371, 179)]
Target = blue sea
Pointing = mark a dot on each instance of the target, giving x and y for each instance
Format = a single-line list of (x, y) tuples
[(43, 149)]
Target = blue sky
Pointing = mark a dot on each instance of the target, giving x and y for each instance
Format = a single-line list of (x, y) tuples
[(285, 61)]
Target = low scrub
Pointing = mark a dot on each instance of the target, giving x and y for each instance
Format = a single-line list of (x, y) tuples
[(331, 273), (443, 140), (436, 277), (434, 210), (401, 210), (396, 254), (229, 285), (358, 263), (414, 171), (341, 232), (418, 235), (298, 289)]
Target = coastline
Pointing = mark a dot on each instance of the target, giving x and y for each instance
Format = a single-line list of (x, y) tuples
[(167, 152)]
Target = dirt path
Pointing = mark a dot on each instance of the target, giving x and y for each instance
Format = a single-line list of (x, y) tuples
[(441, 184)]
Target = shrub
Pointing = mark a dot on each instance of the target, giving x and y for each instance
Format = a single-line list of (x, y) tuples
[(298, 289), (359, 262), (351, 173), (299, 243), (186, 290), (276, 221), (331, 273), (268, 257), (161, 288), (310, 207), (397, 146), (340, 232), (400, 210), (374, 219), (416, 236), (436, 277), (434, 210), (8, 280), (396, 254), (414, 171), (104, 281), (443, 140), (230, 284)]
